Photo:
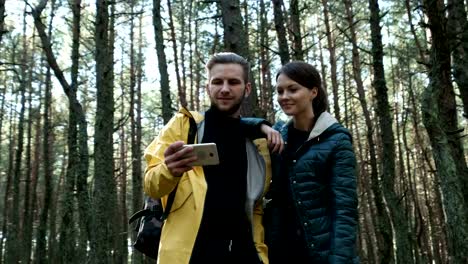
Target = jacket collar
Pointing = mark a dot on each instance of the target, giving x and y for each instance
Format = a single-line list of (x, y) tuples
[(324, 121)]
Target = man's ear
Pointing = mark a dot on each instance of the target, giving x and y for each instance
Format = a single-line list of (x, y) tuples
[(248, 89), (207, 87)]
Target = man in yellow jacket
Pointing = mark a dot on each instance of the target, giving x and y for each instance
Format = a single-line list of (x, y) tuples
[(216, 216)]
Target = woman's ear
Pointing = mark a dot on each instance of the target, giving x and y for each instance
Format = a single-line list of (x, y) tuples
[(313, 93)]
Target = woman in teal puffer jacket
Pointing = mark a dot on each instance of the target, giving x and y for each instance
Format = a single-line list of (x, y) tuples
[(312, 216)]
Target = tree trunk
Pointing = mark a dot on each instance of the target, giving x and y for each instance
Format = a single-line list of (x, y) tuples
[(265, 71), (105, 196), (198, 70), (345, 91), (323, 66), (458, 36), (27, 219), (332, 58), (421, 249), (422, 49), (162, 64), (368, 245), (9, 180), (440, 118), (118, 246), (383, 225), (81, 152), (14, 241), (400, 222), (67, 228), (295, 30), (41, 252), (53, 253), (2, 20), (37, 161), (183, 42), (41, 256), (8, 185), (77, 139), (2, 109), (423, 158), (135, 128), (236, 40), (136, 131), (191, 44), (182, 94), (122, 162), (283, 48)]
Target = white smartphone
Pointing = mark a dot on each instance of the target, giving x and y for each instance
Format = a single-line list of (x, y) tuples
[(207, 154)]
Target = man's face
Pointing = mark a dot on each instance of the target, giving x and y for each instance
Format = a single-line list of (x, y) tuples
[(226, 87)]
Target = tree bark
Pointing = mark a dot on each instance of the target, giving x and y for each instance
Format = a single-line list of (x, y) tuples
[(41, 254), (383, 225), (180, 88), (367, 212), (198, 70), (162, 64), (295, 30), (7, 185), (440, 118), (77, 138), (323, 66), (283, 48), (27, 219), (2, 19), (105, 196), (182, 17), (235, 37), (331, 47), (14, 241), (53, 252), (236, 40), (37, 161), (81, 140), (191, 44), (400, 223), (266, 87), (424, 159), (136, 133), (422, 49), (122, 162), (458, 34), (9, 180)]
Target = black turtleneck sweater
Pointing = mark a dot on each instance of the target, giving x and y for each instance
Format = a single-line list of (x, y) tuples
[(224, 212)]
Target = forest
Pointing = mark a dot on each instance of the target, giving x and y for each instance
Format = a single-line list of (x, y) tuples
[(86, 85)]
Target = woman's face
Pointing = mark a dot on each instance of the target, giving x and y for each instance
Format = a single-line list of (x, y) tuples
[(294, 99)]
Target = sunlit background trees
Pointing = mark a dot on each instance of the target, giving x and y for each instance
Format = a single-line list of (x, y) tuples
[(86, 85)]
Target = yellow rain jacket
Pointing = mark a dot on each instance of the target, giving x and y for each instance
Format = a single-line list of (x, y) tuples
[(181, 227)]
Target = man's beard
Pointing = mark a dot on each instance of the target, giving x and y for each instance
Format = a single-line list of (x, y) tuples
[(233, 109)]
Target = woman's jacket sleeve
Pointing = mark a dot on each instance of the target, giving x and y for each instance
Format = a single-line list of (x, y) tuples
[(344, 202)]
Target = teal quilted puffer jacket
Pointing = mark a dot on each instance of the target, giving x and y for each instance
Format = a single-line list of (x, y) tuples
[(322, 181)]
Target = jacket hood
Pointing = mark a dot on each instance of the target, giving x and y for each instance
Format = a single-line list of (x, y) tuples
[(324, 121)]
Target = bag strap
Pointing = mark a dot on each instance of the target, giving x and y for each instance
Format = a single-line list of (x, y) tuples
[(144, 212), (190, 140)]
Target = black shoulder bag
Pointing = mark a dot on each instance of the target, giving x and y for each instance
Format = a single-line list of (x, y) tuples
[(151, 219)]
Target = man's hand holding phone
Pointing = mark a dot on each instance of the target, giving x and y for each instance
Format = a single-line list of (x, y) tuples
[(180, 158)]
